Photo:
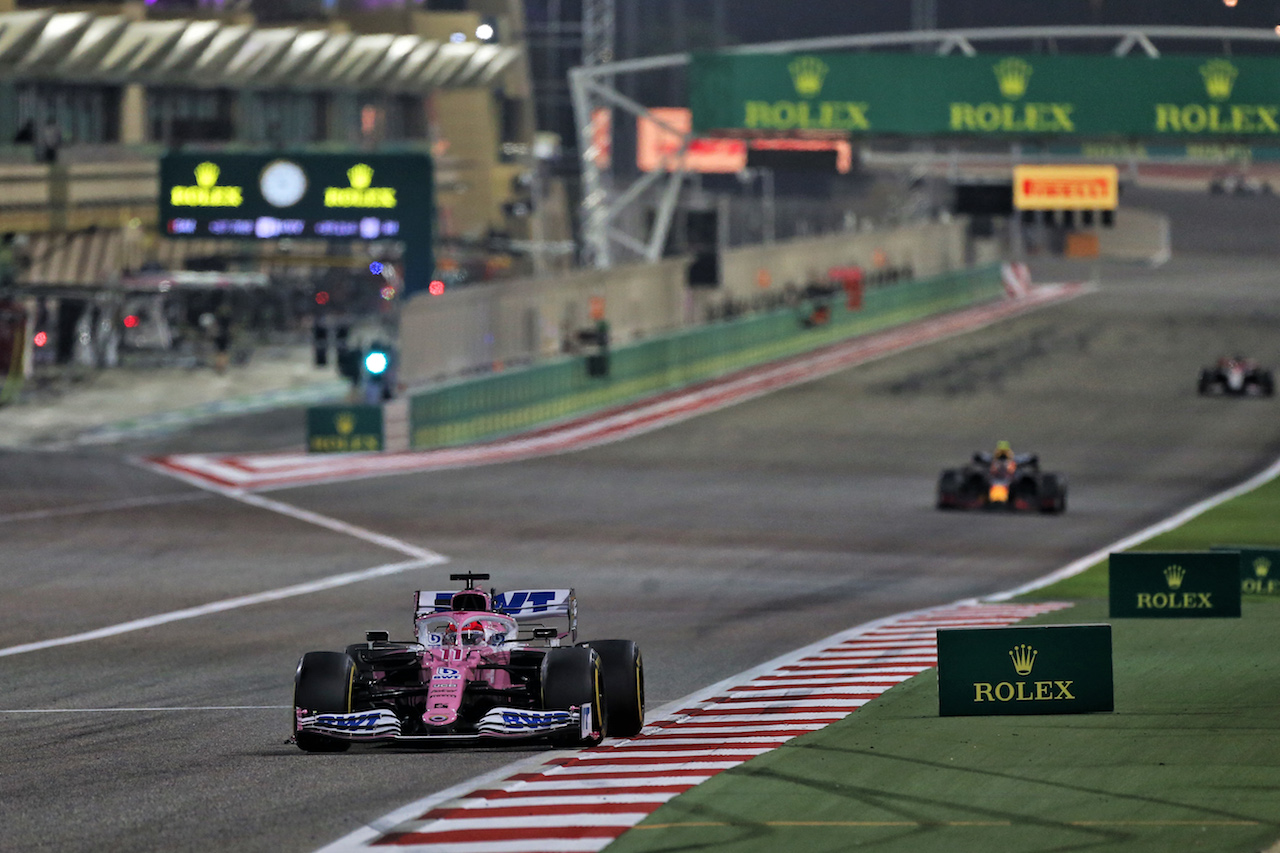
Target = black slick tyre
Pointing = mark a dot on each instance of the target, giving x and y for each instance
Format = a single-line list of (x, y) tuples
[(623, 671), (949, 486), (322, 685), (572, 677), (1053, 494)]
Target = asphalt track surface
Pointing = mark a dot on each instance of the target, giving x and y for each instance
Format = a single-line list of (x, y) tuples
[(717, 544)]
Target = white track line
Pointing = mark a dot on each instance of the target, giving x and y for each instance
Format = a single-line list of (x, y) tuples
[(422, 558), (104, 506), (172, 708), (1176, 520), (331, 582)]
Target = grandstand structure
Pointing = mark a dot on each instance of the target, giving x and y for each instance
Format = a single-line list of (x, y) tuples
[(90, 99)]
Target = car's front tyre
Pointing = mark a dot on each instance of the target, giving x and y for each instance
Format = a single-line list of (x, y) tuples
[(572, 677), (622, 670), (322, 685)]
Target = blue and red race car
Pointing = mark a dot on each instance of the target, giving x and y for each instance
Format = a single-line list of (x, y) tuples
[(1003, 480)]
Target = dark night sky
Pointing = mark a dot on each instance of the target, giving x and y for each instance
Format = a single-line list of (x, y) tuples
[(772, 20)]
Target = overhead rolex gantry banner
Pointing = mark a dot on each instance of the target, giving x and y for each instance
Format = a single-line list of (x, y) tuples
[(987, 95)]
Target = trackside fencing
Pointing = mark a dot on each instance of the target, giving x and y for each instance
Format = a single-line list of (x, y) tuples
[(518, 399)]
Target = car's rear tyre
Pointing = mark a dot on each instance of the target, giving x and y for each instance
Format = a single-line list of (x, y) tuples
[(949, 485), (1053, 494), (572, 677), (322, 685), (623, 672), (1206, 382)]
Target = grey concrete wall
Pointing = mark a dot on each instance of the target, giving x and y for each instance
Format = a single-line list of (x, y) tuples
[(519, 320), (1137, 235), (929, 248), (516, 321)]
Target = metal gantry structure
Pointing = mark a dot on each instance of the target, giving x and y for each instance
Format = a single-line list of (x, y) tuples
[(592, 85)]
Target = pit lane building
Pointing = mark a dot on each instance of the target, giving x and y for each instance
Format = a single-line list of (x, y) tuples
[(90, 99)]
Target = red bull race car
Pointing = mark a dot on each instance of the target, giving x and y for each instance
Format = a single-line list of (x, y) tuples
[(1236, 377), (1003, 480), (482, 667)]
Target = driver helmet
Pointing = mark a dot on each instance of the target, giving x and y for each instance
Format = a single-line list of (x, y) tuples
[(1003, 450), (472, 633)]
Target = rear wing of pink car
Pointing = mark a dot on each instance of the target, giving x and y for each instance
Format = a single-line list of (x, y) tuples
[(531, 608)]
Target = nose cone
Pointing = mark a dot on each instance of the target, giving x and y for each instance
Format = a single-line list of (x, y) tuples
[(441, 715)]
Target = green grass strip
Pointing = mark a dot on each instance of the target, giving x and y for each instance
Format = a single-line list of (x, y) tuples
[(1189, 760), (1251, 519)]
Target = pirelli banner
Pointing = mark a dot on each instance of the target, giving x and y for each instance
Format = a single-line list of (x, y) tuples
[(987, 95), (1043, 669), (1174, 584), (1066, 187)]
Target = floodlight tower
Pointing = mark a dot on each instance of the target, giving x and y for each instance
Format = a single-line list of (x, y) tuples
[(598, 43), (598, 31), (924, 14)]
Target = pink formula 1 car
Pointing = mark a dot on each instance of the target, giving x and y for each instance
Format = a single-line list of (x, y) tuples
[(484, 666)]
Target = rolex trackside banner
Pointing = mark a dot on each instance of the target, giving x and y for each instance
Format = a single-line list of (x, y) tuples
[(987, 95), (1047, 669), (1174, 584), (1259, 568)]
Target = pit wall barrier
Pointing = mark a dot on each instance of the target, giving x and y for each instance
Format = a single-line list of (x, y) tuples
[(483, 327), (523, 398)]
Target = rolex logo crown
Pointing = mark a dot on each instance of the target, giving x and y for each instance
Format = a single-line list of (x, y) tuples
[(1024, 657), (1012, 74), (1261, 566), (360, 176), (207, 174), (1219, 78), (345, 423), (1174, 575), (807, 73)]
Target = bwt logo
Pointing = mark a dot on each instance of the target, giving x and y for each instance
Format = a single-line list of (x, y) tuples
[(365, 721), (534, 601), (533, 721)]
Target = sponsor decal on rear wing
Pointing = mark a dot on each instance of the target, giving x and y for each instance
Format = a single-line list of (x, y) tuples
[(526, 604), (541, 608), (532, 608)]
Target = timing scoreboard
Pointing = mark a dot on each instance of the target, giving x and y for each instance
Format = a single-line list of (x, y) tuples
[(302, 195)]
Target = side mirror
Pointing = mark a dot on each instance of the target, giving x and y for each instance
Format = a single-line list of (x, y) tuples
[(376, 636)]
